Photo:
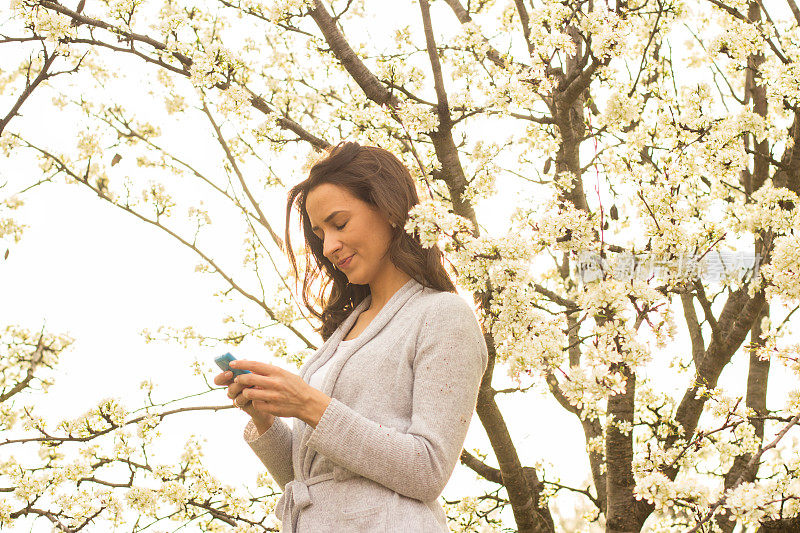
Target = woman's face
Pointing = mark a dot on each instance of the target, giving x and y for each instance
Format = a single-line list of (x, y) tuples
[(350, 230)]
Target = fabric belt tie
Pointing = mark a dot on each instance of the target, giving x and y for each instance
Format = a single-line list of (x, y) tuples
[(294, 499)]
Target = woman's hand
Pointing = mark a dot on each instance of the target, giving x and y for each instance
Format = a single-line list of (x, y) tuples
[(275, 391), (261, 417)]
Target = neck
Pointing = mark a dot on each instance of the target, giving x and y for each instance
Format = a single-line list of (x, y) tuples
[(385, 285)]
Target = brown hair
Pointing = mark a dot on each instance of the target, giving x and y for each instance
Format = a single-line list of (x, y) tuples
[(377, 177)]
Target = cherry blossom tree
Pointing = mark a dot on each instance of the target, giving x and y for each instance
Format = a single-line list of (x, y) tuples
[(647, 153)]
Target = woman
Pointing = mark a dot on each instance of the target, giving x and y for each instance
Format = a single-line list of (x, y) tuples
[(381, 410)]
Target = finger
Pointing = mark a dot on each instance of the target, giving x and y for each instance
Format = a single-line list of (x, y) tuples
[(223, 378), (234, 390), (257, 394), (254, 380), (265, 369), (241, 399), (240, 402)]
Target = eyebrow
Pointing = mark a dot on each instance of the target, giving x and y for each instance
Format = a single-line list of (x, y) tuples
[(315, 228)]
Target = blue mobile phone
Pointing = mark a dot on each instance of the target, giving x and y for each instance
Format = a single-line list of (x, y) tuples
[(222, 362)]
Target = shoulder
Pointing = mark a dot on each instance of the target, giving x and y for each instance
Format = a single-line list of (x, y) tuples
[(442, 307), (431, 299), (449, 325)]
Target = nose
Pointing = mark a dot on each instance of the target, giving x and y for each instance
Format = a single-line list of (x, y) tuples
[(330, 245)]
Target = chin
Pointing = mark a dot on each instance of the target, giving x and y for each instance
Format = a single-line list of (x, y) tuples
[(358, 280)]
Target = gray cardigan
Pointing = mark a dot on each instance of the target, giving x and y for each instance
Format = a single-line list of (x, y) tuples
[(403, 395)]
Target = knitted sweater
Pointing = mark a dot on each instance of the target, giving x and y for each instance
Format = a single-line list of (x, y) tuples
[(402, 398)]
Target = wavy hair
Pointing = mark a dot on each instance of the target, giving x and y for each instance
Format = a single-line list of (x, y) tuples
[(380, 179)]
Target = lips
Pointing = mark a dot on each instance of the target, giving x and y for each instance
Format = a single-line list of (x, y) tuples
[(346, 261)]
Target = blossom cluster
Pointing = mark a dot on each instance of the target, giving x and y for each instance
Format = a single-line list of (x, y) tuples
[(9, 226), (526, 338), (280, 10), (565, 227), (210, 65), (483, 171), (772, 208), (417, 118), (776, 348), (235, 101), (783, 271), (49, 24), (621, 109), (434, 223), (738, 40), (607, 29), (157, 195)]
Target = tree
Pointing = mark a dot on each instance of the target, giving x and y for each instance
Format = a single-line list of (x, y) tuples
[(657, 137)]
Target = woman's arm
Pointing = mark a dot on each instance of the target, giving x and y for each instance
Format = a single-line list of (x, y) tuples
[(273, 447), (449, 363)]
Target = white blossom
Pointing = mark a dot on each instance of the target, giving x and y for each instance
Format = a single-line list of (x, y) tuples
[(417, 118)]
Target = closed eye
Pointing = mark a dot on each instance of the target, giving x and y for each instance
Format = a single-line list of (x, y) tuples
[(338, 228)]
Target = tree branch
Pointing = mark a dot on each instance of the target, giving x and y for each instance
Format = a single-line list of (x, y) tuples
[(63, 167), (736, 14), (565, 302), (232, 160), (795, 10), (750, 464), (591, 430), (256, 101), (368, 82), (464, 17), (442, 107), (82, 19), (29, 88), (36, 358), (695, 333), (756, 399), (525, 22), (707, 312), (523, 497)]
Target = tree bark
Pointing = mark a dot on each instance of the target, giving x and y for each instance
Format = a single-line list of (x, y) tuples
[(784, 525), (619, 459), (756, 399), (522, 484)]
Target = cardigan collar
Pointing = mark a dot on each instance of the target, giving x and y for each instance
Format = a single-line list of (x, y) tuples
[(392, 306), (389, 310)]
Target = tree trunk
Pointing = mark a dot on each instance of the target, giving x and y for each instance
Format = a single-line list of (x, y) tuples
[(619, 459)]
